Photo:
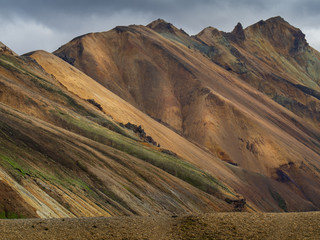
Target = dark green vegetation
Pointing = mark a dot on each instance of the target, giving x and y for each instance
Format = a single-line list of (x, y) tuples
[(170, 164), (9, 215), (281, 202)]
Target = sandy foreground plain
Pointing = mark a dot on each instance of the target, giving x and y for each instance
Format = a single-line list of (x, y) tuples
[(207, 226)]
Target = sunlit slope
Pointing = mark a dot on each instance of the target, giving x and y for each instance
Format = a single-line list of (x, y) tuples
[(89, 178), (60, 156), (121, 111), (175, 79), (254, 187)]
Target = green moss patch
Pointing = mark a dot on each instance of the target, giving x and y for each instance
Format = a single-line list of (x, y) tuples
[(173, 165), (280, 201), (10, 215)]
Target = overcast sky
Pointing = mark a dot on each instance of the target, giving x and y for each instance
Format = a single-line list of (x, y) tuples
[(28, 25)]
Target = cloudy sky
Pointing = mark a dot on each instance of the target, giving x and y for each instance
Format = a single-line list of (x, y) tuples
[(27, 25)]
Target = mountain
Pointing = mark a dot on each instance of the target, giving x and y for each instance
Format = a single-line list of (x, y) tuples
[(147, 120), (274, 58), (63, 156), (249, 97)]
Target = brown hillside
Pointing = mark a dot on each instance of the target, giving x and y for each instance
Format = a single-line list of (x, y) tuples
[(228, 123), (60, 156), (274, 58), (179, 81)]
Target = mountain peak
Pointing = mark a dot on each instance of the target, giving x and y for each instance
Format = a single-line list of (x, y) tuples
[(238, 28), (237, 35), (276, 19), (211, 31), (272, 21), (280, 33), (157, 22), (161, 26)]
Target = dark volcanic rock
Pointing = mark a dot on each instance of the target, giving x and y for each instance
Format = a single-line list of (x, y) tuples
[(282, 176), (67, 59), (299, 44), (150, 140), (94, 103), (142, 134), (136, 129), (237, 35), (238, 204)]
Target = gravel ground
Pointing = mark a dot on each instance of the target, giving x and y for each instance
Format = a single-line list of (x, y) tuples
[(208, 226)]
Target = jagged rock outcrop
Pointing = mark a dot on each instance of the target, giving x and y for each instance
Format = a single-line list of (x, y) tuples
[(237, 35), (4, 49), (142, 134), (238, 204), (94, 103)]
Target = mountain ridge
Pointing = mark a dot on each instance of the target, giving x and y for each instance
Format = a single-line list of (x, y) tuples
[(207, 90)]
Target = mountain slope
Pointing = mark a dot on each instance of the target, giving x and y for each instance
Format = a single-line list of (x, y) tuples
[(178, 80), (61, 156), (273, 57), (256, 188)]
